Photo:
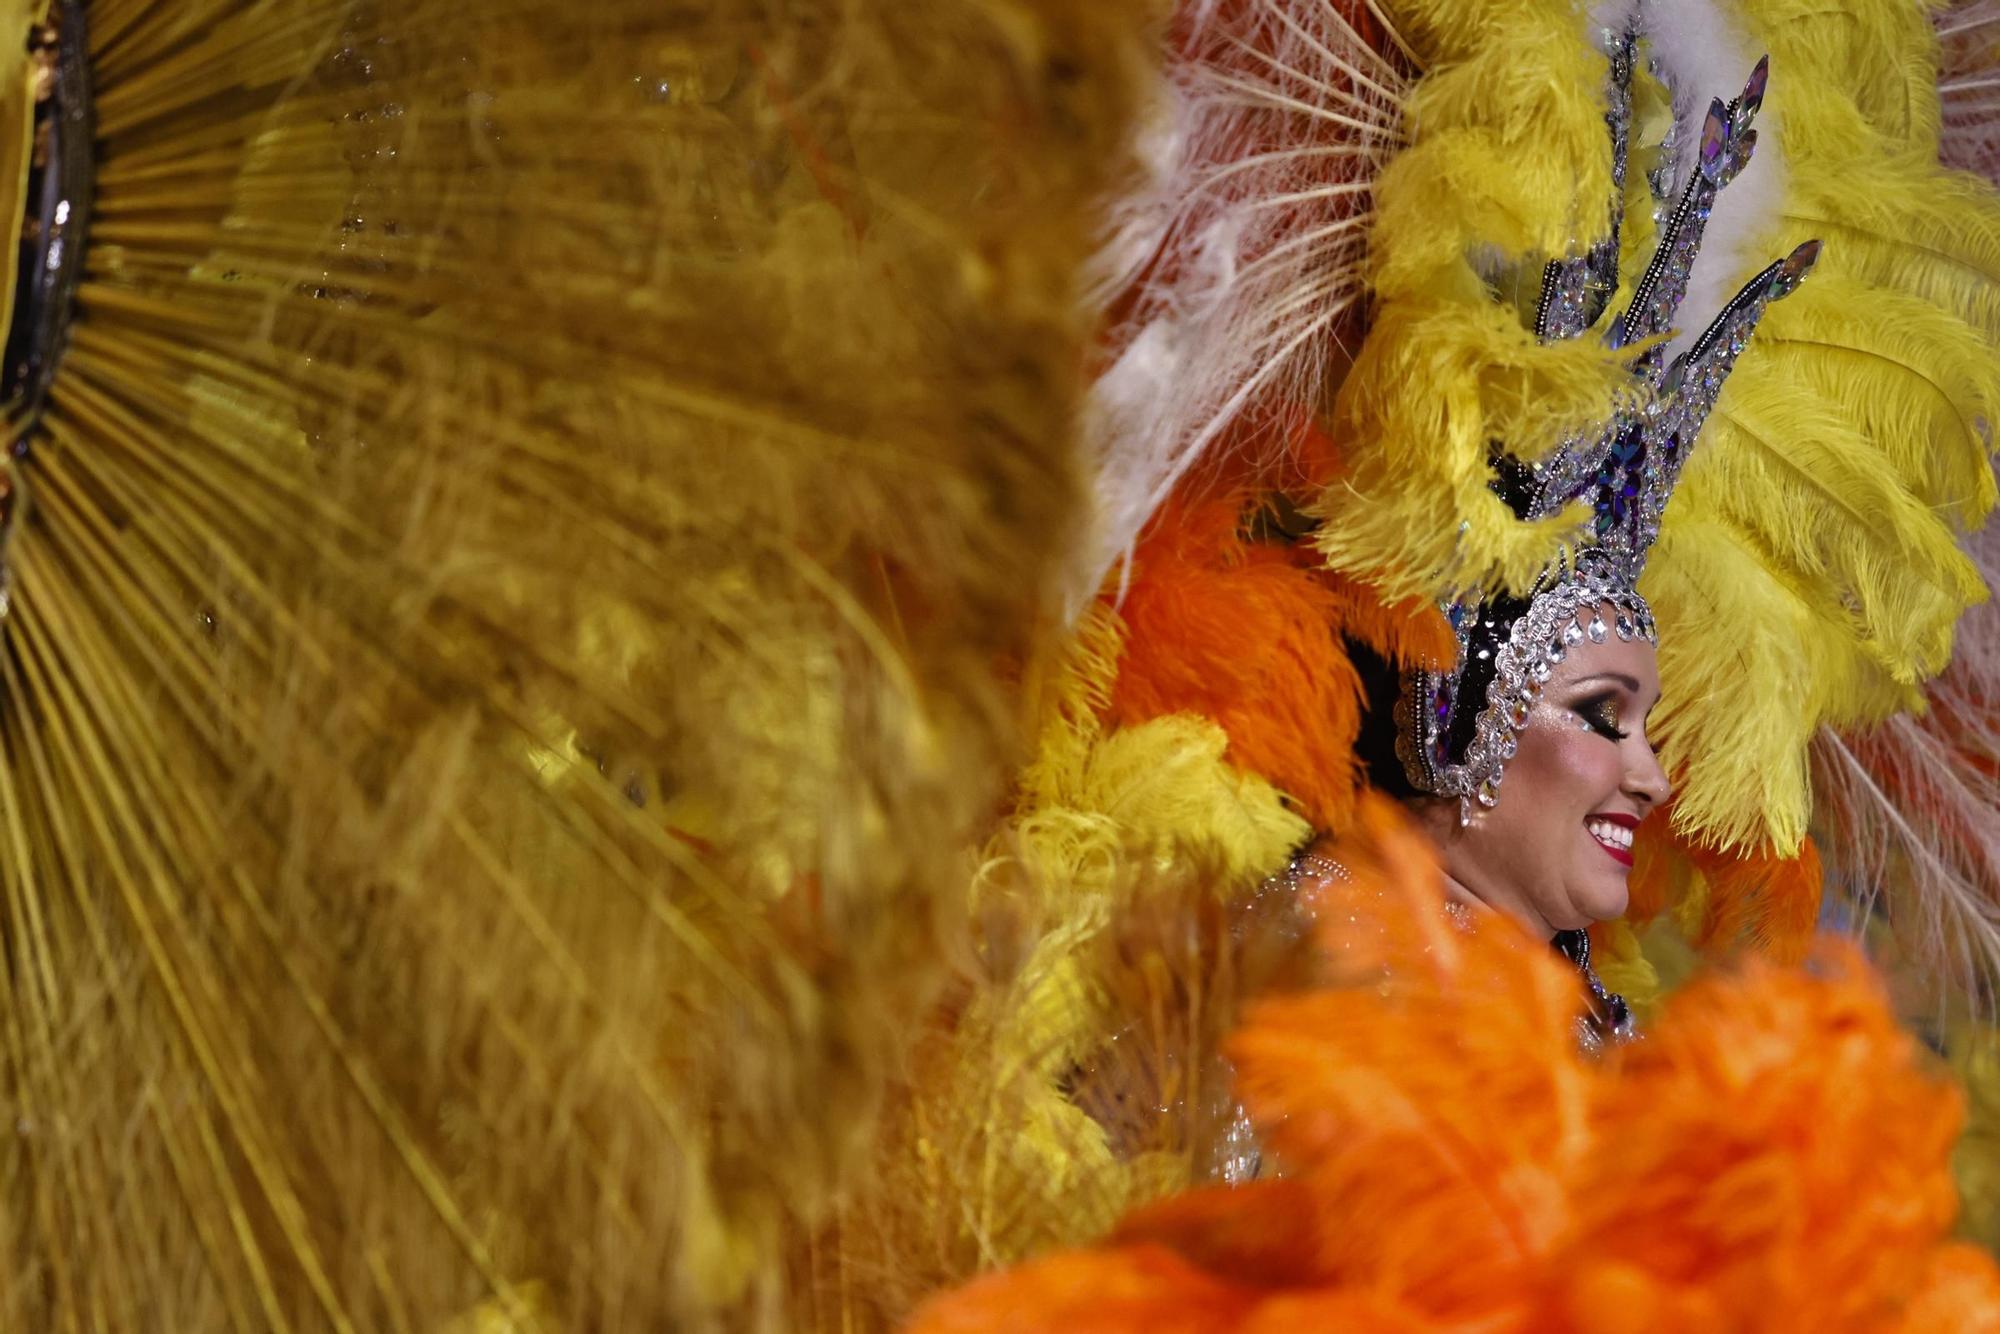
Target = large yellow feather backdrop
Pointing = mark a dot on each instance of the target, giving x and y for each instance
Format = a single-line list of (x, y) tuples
[(514, 595)]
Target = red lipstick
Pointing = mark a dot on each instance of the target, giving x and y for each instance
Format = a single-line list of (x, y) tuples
[(1623, 856)]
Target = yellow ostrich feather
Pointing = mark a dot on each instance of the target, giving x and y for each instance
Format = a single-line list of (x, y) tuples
[(1101, 811), (1500, 168), (1093, 793), (1029, 1120), (498, 676), (1810, 571)]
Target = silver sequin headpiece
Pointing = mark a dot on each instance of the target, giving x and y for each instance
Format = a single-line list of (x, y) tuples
[(1457, 730)]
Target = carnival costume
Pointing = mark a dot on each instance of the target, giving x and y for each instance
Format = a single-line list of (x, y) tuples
[(655, 658), (1781, 585)]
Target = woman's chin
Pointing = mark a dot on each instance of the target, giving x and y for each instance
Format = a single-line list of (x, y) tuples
[(1607, 899)]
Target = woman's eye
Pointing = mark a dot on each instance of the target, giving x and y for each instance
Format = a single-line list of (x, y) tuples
[(1601, 717)]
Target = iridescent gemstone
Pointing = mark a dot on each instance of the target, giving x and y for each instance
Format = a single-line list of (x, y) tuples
[(1793, 271), (1753, 91)]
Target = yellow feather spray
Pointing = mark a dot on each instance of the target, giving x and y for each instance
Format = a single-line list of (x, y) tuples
[(1810, 571), (499, 676), (1499, 167), (997, 1148)]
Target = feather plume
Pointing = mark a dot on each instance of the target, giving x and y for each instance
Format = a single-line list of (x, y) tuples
[(1245, 634), (1907, 812), (1235, 272), (497, 676), (1814, 546), (1900, 349), (1074, 1069), (1906, 805), (1112, 826), (1239, 634), (1498, 166)]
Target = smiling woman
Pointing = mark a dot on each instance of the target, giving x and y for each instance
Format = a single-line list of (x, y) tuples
[(1555, 686), (1555, 857)]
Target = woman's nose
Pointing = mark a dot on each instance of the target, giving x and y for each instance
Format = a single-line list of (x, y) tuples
[(1646, 782)]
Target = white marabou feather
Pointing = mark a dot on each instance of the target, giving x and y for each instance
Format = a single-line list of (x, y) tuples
[(1701, 54)]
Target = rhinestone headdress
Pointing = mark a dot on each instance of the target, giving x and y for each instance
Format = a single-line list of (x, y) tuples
[(1457, 729)]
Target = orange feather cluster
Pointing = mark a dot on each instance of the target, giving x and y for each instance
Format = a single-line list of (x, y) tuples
[(1247, 634), (1771, 1157), (1755, 897)]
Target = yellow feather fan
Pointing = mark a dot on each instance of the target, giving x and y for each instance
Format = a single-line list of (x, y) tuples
[(1810, 571), (517, 574)]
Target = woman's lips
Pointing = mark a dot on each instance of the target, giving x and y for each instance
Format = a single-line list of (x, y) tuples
[(1613, 833)]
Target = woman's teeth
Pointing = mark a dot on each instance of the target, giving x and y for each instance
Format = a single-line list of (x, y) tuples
[(1609, 834)]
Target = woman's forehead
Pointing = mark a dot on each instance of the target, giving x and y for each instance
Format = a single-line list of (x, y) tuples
[(1630, 664)]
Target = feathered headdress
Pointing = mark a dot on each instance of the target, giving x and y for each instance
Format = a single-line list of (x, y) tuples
[(1811, 570), (1460, 725)]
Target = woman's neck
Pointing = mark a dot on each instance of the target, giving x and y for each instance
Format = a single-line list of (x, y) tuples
[(1439, 819), (1459, 891)]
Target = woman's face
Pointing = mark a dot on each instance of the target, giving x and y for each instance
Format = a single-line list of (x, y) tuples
[(1555, 851)]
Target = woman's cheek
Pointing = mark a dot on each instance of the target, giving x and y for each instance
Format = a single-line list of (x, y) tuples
[(1578, 769)]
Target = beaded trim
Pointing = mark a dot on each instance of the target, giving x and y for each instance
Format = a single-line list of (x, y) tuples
[(1522, 664), (1608, 1021)]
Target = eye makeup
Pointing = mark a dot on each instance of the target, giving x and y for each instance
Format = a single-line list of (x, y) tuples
[(1600, 714)]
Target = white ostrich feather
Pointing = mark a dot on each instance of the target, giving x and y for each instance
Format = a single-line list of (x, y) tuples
[(1238, 267), (1969, 86), (1915, 804)]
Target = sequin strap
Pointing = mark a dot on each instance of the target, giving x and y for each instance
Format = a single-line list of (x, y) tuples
[(1607, 1020)]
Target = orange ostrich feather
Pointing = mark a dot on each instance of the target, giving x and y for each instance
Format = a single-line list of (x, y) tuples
[(1248, 635), (1755, 897), (1772, 1157), (1772, 902)]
